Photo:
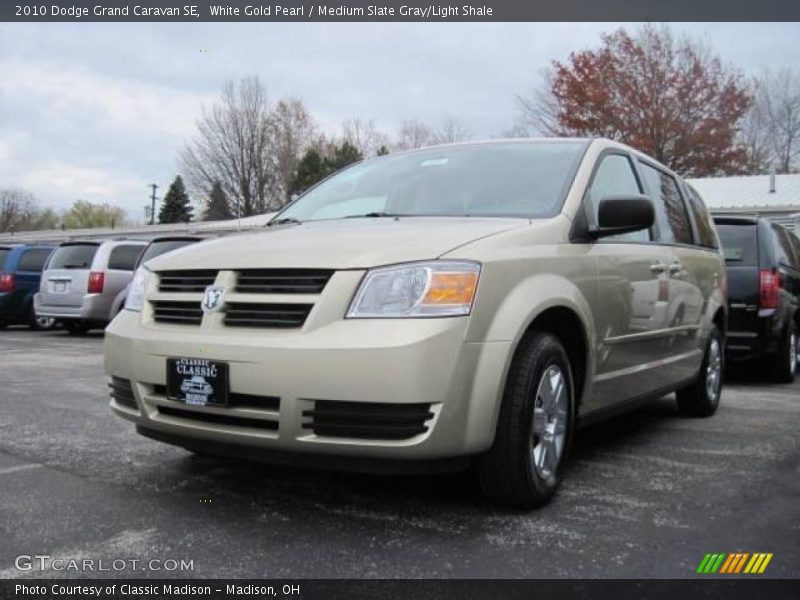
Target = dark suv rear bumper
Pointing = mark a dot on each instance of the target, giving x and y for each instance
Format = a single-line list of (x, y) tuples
[(763, 340)]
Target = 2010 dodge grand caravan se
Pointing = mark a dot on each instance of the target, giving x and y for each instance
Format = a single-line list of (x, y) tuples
[(431, 308)]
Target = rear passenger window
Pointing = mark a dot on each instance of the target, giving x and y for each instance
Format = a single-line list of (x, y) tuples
[(705, 230), (33, 260), (615, 177), (784, 248), (671, 216), (73, 256), (796, 246), (123, 258)]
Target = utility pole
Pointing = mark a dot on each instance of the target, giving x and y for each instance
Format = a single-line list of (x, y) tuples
[(153, 204)]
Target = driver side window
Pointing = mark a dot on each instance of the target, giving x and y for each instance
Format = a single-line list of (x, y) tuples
[(615, 177)]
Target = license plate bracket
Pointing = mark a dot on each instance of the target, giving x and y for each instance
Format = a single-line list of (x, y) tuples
[(197, 381)]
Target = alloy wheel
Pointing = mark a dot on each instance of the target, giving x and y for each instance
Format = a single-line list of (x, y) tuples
[(550, 414), (714, 369)]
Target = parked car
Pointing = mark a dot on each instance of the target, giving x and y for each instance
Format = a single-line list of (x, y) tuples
[(763, 264), (82, 279), (20, 272), (455, 305), (156, 247)]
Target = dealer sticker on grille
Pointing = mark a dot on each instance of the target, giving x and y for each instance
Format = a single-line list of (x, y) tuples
[(197, 381)]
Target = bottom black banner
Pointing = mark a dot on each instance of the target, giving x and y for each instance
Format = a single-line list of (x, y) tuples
[(483, 589)]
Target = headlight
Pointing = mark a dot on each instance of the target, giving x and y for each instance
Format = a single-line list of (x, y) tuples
[(426, 289), (136, 291)]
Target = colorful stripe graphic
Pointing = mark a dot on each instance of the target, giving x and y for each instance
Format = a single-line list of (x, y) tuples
[(735, 563)]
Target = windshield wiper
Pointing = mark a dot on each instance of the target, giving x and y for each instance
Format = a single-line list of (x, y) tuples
[(284, 221), (75, 266), (373, 214)]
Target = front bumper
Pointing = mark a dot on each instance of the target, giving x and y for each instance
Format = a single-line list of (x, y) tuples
[(401, 361), (91, 308)]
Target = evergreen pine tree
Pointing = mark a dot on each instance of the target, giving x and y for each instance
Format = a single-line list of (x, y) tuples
[(217, 207), (176, 207), (310, 170), (342, 156)]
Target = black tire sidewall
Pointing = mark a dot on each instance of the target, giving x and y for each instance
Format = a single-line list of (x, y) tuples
[(784, 373), (549, 352)]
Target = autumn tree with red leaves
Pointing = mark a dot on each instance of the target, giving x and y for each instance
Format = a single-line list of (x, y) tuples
[(669, 98)]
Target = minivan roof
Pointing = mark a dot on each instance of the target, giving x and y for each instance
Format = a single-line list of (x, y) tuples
[(100, 242), (736, 219), (175, 238)]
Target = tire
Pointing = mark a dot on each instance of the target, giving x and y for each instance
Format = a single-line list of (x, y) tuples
[(524, 466), (76, 327), (783, 366), (39, 323), (701, 397)]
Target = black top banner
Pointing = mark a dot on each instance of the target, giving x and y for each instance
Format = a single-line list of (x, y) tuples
[(399, 10)]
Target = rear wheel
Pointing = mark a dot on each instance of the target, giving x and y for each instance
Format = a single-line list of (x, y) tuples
[(39, 323), (701, 397), (76, 327), (524, 466), (784, 365)]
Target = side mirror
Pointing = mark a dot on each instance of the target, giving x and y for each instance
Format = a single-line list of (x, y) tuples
[(623, 214)]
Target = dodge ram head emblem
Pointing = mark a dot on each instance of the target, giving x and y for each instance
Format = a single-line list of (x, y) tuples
[(213, 299)]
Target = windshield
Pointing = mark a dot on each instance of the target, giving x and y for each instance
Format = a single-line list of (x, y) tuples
[(519, 179), (73, 256), (739, 243), (162, 247), (4, 252)]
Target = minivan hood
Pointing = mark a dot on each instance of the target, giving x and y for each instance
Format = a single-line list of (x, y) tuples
[(337, 244)]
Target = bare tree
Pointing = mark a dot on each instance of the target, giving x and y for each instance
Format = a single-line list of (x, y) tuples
[(538, 112), (414, 134), (364, 135), (777, 111), (233, 146), (292, 131), (451, 130), (754, 135), (19, 211)]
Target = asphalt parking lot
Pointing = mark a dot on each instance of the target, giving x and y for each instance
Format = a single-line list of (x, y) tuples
[(646, 494)]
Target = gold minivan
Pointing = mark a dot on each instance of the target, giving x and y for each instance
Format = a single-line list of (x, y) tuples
[(457, 305)]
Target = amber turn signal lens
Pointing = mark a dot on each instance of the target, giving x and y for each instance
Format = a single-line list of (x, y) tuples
[(451, 288)]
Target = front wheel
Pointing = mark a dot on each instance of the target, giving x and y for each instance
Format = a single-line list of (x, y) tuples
[(534, 429), (701, 397)]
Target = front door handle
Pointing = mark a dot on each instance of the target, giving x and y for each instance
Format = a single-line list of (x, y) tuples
[(675, 269), (658, 268)]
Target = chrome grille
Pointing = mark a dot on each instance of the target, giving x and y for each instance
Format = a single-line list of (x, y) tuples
[(282, 281), (180, 312), (186, 281), (252, 314)]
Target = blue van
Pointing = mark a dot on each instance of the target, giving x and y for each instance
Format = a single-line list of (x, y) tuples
[(20, 274)]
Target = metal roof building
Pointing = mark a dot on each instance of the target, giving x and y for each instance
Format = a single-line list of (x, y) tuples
[(776, 197), (142, 232)]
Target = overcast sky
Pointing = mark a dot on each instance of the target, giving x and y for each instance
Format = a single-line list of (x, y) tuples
[(99, 111)]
